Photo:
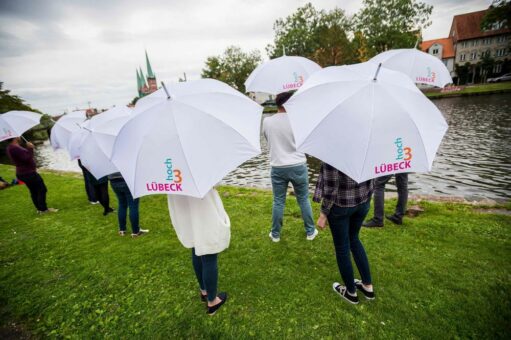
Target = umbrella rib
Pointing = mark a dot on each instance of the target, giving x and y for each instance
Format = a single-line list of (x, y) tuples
[(184, 153), (216, 118), (414, 124), (332, 109), (370, 133)]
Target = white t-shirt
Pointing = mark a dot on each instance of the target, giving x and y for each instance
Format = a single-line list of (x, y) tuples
[(200, 223), (278, 133)]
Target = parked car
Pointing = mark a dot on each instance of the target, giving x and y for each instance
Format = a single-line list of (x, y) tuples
[(504, 77)]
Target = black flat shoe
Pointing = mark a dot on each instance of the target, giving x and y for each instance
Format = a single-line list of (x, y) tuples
[(372, 224), (212, 310), (108, 211), (394, 219)]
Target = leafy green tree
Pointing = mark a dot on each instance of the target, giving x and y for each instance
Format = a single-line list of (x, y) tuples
[(486, 64), (390, 24), (499, 14), (322, 36), (233, 67)]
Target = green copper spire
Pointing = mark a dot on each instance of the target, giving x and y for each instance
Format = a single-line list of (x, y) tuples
[(150, 73), (140, 83), (142, 78)]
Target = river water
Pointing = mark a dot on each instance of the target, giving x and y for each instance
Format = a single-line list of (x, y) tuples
[(474, 159)]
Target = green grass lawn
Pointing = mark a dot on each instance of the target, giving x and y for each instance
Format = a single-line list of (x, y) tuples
[(444, 274), (474, 90)]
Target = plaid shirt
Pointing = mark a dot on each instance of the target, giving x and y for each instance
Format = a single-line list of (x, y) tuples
[(334, 187)]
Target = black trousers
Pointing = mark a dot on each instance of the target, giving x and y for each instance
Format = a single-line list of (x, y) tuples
[(37, 189), (101, 194)]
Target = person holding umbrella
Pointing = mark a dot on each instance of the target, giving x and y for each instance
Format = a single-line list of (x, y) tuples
[(345, 204), (287, 165), (204, 226), (23, 159)]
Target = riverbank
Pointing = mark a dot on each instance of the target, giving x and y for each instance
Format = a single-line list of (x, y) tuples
[(442, 274), (470, 90)]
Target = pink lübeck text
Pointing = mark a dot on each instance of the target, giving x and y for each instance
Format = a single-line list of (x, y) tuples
[(390, 167), (164, 187)]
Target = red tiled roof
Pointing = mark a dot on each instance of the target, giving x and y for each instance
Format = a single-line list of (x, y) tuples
[(468, 26), (447, 50)]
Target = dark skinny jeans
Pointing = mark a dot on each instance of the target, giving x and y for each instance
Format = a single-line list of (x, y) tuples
[(345, 224), (126, 201), (206, 271), (35, 185)]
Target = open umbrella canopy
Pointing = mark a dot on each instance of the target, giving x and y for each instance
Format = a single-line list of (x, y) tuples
[(61, 132), (15, 123), (91, 154), (421, 67), (281, 74), (189, 140), (366, 121)]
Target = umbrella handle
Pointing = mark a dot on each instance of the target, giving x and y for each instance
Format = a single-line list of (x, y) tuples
[(26, 141)]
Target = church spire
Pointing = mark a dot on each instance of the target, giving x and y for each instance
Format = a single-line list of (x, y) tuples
[(142, 78), (150, 73), (139, 83)]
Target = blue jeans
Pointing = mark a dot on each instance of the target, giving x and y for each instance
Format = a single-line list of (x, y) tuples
[(126, 200), (206, 271), (345, 224), (299, 177)]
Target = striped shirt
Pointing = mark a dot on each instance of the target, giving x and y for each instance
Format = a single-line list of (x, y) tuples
[(334, 187)]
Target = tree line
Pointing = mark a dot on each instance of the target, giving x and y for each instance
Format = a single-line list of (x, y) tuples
[(329, 37)]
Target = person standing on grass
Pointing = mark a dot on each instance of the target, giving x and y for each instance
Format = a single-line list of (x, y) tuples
[(100, 191), (287, 165), (23, 159), (203, 225), (379, 201), (89, 188), (125, 200), (344, 205)]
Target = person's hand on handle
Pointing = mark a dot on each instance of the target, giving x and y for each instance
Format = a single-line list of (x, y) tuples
[(322, 221), (30, 145)]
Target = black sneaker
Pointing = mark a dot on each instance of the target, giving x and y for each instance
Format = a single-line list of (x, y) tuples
[(108, 211), (369, 295), (343, 292), (394, 219), (212, 310), (372, 223)]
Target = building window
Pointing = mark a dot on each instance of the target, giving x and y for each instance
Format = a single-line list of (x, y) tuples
[(501, 39), (464, 44), (473, 55), (474, 42), (497, 68), (435, 51), (462, 57), (500, 52), (486, 41)]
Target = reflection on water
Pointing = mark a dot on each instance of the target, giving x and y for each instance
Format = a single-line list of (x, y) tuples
[(474, 160)]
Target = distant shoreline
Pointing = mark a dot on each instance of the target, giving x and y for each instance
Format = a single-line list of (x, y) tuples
[(468, 91)]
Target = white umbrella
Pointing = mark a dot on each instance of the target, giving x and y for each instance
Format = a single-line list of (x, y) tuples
[(15, 123), (364, 127), (422, 68), (189, 141), (92, 155), (281, 74), (64, 127)]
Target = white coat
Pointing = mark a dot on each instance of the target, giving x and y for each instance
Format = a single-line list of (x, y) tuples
[(200, 223)]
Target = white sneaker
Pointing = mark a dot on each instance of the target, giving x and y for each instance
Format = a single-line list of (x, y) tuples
[(140, 233), (274, 239), (313, 236)]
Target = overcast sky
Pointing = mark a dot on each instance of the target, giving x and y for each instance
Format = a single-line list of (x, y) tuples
[(59, 55)]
